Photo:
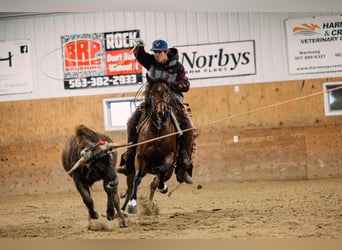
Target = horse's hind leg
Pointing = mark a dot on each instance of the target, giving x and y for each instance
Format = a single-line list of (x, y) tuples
[(153, 187)]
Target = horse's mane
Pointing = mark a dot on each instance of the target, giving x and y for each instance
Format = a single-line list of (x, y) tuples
[(158, 80)]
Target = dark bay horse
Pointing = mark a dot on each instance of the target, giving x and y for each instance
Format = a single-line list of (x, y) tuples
[(154, 155)]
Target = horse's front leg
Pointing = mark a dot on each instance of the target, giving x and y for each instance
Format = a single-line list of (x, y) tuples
[(163, 170), (129, 183), (116, 198), (139, 165), (132, 204), (162, 187)]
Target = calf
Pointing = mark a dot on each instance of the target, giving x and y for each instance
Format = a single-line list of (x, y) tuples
[(86, 160)]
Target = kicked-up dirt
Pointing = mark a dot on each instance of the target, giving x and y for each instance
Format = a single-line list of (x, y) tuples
[(222, 210)]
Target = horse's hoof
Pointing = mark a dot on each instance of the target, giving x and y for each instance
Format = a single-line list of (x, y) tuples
[(132, 209), (132, 206), (110, 217), (93, 215), (123, 224), (164, 190)]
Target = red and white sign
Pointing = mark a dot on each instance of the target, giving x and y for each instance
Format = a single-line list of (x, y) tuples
[(122, 62), (82, 55), (100, 60)]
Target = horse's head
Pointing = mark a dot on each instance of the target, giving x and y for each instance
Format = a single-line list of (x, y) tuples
[(159, 99)]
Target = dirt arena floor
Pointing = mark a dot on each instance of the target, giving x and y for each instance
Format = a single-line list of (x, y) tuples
[(223, 210)]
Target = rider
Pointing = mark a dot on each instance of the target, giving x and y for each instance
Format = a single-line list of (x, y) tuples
[(163, 64)]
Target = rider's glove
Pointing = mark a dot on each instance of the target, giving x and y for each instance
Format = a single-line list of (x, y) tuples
[(140, 41)]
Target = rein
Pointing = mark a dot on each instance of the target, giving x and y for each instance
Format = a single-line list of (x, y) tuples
[(160, 121), (163, 115)]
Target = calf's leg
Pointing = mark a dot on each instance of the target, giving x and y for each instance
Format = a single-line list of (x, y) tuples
[(84, 191), (110, 184)]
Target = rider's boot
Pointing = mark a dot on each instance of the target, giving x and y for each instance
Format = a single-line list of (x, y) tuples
[(185, 168), (184, 172), (127, 162), (185, 148)]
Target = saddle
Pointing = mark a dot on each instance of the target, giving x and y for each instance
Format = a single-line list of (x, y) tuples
[(146, 115)]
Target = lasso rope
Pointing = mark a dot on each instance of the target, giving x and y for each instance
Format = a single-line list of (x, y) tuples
[(170, 193), (199, 126), (237, 115)]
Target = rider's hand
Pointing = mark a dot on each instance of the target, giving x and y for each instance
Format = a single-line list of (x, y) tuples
[(140, 41)]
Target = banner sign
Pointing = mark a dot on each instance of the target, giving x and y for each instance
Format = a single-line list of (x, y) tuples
[(100, 60), (15, 67), (314, 44), (218, 59)]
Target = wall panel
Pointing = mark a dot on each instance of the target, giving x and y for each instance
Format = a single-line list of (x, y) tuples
[(294, 140), (178, 28)]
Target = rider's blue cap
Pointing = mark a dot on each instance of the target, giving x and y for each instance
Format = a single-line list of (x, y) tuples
[(159, 45)]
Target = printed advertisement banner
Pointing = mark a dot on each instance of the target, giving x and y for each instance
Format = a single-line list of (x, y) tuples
[(218, 59), (314, 44), (15, 67), (100, 60)]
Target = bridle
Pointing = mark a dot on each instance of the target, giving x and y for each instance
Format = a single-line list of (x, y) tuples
[(161, 110)]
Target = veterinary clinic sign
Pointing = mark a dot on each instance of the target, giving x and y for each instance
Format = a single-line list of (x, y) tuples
[(100, 60), (314, 44), (218, 59), (15, 67)]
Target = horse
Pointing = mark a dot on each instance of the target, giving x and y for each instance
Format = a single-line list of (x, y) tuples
[(157, 144)]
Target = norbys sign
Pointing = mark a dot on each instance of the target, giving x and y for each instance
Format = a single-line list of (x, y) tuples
[(218, 60)]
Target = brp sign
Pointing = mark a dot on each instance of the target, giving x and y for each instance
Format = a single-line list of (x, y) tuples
[(81, 53)]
